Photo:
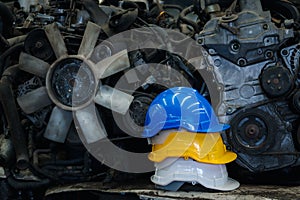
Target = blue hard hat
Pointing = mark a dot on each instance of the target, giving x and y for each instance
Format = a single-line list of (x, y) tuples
[(181, 107)]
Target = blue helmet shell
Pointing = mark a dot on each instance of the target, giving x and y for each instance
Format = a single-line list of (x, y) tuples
[(181, 107)]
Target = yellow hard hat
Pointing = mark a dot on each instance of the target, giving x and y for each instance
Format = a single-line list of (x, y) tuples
[(202, 147)]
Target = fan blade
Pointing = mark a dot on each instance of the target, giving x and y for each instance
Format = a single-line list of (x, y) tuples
[(58, 125), (89, 124), (113, 99), (112, 65), (56, 40), (34, 100), (33, 65), (89, 39)]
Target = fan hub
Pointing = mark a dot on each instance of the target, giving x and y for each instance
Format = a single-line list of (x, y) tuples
[(71, 83)]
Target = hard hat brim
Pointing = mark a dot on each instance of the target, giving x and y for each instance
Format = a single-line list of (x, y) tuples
[(231, 184)]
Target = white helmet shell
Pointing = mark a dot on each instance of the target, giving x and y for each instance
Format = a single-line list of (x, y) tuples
[(209, 175)]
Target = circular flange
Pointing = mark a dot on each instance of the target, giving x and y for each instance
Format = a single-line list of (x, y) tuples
[(71, 83), (252, 131), (133, 120), (296, 102), (276, 81), (37, 44)]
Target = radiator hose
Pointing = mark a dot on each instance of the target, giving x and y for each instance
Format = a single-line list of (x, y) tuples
[(18, 136)]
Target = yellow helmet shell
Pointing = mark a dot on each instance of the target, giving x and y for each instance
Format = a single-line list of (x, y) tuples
[(202, 147)]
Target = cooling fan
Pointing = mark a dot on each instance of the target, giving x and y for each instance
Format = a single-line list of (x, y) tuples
[(73, 85)]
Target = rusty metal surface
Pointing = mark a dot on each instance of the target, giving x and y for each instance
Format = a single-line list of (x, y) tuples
[(147, 191)]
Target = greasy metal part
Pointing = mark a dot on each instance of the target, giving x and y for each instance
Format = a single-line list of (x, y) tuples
[(34, 100), (251, 5), (36, 154), (58, 125), (37, 45), (2, 173), (25, 175), (276, 81), (252, 131), (246, 38), (10, 109), (243, 46), (6, 151)]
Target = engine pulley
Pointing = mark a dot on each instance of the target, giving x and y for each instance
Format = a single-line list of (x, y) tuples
[(252, 131), (296, 102), (37, 44), (276, 81)]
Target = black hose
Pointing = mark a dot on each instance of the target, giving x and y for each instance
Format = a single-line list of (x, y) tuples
[(190, 22), (64, 162), (174, 6), (129, 4), (10, 110), (11, 50), (25, 185), (7, 19), (44, 173), (97, 14)]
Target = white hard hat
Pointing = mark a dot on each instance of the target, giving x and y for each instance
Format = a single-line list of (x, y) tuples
[(213, 176)]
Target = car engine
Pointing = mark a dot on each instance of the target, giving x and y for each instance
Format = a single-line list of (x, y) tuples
[(73, 73)]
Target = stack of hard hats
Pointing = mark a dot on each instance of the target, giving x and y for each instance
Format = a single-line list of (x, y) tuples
[(186, 142)]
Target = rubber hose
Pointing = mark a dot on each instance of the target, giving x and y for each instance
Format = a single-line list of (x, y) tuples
[(64, 162), (97, 14), (8, 52), (10, 110), (7, 19), (184, 19), (25, 185)]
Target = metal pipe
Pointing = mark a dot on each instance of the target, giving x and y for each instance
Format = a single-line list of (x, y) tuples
[(10, 110)]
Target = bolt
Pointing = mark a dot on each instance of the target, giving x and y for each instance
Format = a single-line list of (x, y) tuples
[(268, 81), (229, 110), (39, 44), (242, 62), (279, 88), (217, 62), (284, 52), (279, 75), (265, 26), (276, 81), (235, 46), (269, 54), (259, 51), (200, 41)]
